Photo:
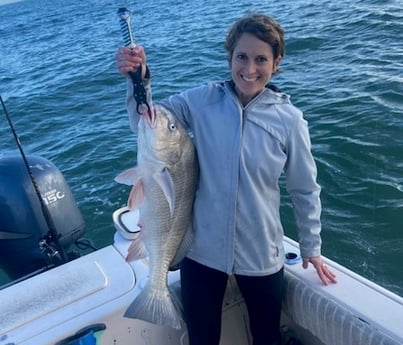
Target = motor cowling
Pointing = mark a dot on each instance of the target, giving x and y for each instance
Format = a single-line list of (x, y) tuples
[(27, 234)]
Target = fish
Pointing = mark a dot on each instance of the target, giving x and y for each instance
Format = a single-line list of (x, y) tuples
[(164, 186)]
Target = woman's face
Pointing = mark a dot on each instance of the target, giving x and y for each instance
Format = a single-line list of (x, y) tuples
[(252, 66)]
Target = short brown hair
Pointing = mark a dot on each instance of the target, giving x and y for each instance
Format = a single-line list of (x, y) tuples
[(262, 27)]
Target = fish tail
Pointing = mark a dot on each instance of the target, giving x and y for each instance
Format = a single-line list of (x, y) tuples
[(157, 307)]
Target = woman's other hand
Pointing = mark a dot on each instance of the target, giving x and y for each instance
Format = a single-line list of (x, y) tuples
[(325, 274)]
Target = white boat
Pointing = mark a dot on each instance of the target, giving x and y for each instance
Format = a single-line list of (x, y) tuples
[(83, 302)]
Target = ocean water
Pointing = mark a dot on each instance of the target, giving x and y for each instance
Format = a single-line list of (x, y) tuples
[(343, 68)]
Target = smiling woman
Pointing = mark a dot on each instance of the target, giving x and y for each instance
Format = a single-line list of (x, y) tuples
[(231, 121), (252, 66), (254, 51), (58, 77)]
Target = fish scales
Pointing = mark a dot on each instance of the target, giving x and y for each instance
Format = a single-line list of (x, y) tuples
[(164, 184)]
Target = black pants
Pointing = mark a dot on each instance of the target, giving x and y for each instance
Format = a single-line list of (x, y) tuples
[(203, 290)]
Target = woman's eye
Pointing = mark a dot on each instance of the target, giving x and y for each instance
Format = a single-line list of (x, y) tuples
[(241, 57), (261, 59)]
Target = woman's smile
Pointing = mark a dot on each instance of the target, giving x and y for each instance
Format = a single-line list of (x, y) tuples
[(252, 66)]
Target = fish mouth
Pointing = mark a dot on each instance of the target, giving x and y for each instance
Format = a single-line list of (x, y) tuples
[(149, 116)]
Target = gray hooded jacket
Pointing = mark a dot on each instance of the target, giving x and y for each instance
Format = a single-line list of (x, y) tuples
[(242, 152)]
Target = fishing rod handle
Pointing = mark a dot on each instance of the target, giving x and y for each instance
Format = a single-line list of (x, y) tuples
[(126, 27)]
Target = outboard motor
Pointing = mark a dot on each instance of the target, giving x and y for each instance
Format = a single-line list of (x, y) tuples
[(35, 235)]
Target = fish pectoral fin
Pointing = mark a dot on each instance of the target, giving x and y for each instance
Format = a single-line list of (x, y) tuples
[(133, 177), (128, 177), (136, 195), (166, 183), (137, 250)]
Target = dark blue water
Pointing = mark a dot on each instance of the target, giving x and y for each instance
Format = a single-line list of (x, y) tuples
[(343, 68)]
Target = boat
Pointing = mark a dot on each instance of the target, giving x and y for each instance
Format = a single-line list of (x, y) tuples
[(82, 300)]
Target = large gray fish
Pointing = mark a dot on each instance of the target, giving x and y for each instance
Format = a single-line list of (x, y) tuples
[(164, 184)]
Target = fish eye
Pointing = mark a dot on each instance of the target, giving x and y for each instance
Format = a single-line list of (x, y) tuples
[(171, 126)]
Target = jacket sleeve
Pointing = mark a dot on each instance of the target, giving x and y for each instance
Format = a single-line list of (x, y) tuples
[(301, 173)]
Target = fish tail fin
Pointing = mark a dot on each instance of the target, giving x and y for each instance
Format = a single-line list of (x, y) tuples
[(157, 307)]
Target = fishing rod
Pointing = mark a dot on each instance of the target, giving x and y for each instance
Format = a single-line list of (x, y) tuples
[(49, 243)]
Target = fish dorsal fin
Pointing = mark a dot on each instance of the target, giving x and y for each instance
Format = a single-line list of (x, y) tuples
[(164, 180)]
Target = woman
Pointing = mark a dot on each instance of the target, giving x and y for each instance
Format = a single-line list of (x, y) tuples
[(247, 134)]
